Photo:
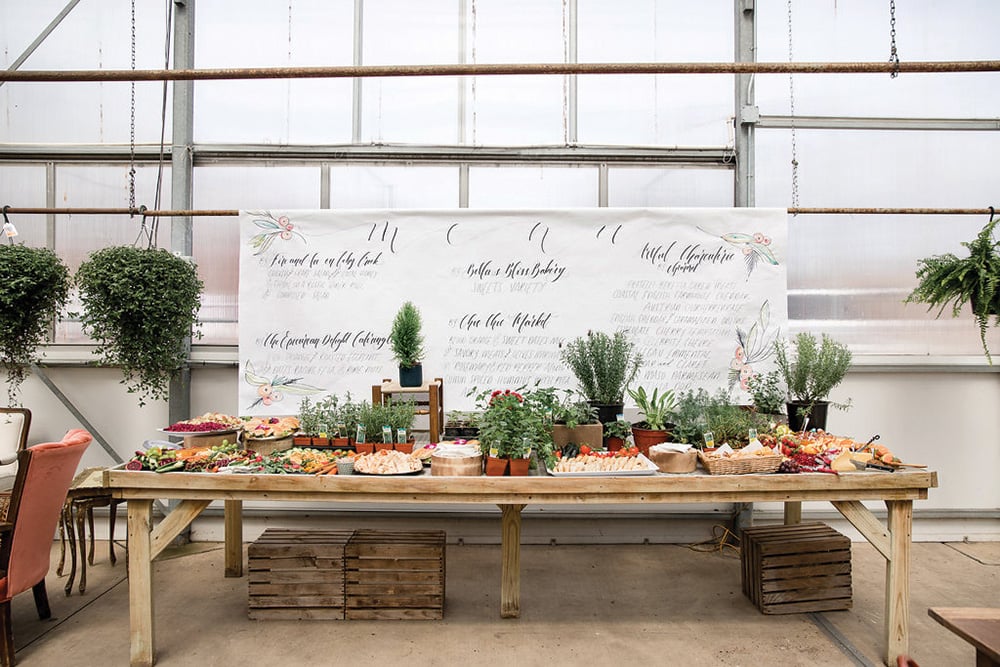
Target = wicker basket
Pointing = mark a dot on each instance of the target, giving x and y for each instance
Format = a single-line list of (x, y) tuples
[(752, 464)]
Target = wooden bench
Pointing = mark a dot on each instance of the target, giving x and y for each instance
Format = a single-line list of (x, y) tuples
[(978, 626)]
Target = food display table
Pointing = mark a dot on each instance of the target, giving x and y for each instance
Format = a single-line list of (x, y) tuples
[(196, 490)]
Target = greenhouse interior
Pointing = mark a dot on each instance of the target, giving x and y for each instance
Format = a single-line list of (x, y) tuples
[(511, 332)]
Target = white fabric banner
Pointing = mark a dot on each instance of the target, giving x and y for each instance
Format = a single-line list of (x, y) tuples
[(702, 292)]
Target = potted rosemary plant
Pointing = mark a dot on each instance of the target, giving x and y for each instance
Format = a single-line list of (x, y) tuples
[(811, 372), (140, 306), (604, 366), (948, 280), (34, 286), (408, 345)]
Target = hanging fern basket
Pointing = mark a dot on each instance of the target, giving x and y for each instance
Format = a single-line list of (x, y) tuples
[(140, 306), (34, 286)]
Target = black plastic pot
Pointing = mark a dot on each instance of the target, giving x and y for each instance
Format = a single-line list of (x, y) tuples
[(817, 414), (412, 376), (607, 412)]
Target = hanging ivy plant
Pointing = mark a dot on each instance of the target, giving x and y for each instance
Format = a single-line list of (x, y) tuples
[(139, 306), (34, 286)]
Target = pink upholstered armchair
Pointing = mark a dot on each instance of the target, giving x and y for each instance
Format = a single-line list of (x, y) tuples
[(44, 474)]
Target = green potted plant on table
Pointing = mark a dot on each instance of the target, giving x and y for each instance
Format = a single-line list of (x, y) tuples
[(767, 395), (512, 426), (408, 345), (309, 418), (949, 280), (657, 409), (575, 421), (811, 371), (401, 415), (140, 306), (616, 434), (34, 286), (604, 365)]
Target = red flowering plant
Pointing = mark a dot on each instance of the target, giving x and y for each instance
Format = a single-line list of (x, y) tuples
[(516, 422)]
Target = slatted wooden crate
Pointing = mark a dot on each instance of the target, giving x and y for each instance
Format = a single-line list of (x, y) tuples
[(395, 575), (297, 574), (796, 569)]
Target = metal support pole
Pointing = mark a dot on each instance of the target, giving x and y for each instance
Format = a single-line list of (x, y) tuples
[(182, 176)]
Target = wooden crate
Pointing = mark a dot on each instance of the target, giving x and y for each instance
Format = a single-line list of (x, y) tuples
[(395, 575), (297, 574), (795, 569)]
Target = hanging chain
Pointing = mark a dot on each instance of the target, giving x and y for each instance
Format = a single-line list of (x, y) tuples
[(791, 115), (893, 55), (131, 153)]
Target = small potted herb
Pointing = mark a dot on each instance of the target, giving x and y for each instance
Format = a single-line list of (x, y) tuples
[(616, 434), (811, 368), (576, 421), (408, 345), (767, 394)]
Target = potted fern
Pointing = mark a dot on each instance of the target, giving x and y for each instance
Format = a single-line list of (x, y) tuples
[(408, 345), (34, 286), (140, 305), (604, 366), (948, 280), (811, 372)]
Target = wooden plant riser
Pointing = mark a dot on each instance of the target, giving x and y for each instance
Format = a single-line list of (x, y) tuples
[(297, 574), (796, 569), (395, 575)]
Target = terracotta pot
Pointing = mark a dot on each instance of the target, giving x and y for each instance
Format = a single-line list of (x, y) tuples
[(406, 447), (301, 441), (340, 443), (613, 444), (380, 446), (519, 467), (586, 434), (496, 467), (320, 442), (364, 447), (646, 438)]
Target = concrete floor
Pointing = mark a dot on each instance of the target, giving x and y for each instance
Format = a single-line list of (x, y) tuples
[(628, 604)]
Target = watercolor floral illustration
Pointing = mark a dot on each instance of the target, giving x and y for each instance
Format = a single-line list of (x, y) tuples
[(273, 390), (753, 346), (274, 228), (755, 247)]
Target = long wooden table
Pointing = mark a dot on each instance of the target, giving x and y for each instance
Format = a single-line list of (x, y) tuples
[(196, 490)]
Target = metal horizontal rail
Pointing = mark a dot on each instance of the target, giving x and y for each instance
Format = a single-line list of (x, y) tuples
[(221, 213), (859, 123), (473, 69)]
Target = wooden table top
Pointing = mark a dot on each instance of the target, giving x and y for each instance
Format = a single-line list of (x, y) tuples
[(978, 626)]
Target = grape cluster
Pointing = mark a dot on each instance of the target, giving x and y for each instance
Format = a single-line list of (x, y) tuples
[(789, 466)]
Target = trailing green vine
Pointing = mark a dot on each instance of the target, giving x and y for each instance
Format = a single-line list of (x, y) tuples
[(139, 306), (34, 286)]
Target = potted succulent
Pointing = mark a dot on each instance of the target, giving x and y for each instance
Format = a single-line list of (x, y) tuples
[(604, 365), (140, 306), (616, 434), (811, 369), (34, 286), (948, 280), (408, 345), (657, 410), (576, 421), (513, 425)]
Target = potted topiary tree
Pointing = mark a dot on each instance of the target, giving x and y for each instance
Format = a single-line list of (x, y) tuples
[(34, 286), (949, 280), (604, 365), (812, 370), (140, 306), (408, 345)]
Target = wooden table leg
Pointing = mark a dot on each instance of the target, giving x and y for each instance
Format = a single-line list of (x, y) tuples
[(793, 512), (510, 573), (140, 582), (897, 579), (234, 538)]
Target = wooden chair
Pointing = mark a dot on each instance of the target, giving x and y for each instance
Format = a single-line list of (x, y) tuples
[(44, 474), (14, 425)]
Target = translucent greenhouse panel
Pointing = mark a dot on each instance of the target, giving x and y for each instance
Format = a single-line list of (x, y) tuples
[(646, 187), (268, 34), (655, 110), (216, 239), (23, 186), (849, 275), (859, 31), (517, 110), (92, 36), (532, 187), (361, 186)]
